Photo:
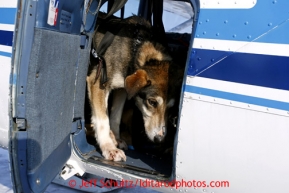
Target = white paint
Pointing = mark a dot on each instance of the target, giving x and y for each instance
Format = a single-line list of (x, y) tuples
[(8, 3), (227, 4), (238, 88), (7, 49), (246, 148), (242, 46), (236, 104), (5, 66), (7, 27)]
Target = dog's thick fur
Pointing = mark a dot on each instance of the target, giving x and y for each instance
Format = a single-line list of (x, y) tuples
[(137, 67)]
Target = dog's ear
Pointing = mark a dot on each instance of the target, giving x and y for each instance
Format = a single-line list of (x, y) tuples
[(135, 82)]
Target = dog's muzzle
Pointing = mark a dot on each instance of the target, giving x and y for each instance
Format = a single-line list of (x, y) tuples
[(159, 137)]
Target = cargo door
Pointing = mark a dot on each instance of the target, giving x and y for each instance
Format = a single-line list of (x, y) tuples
[(50, 59)]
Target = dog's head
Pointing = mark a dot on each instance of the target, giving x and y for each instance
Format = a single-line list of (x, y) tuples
[(149, 87)]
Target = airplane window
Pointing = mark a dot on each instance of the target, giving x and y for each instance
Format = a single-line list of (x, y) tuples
[(131, 8), (177, 16)]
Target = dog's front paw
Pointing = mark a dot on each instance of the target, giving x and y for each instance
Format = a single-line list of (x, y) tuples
[(121, 144), (114, 154)]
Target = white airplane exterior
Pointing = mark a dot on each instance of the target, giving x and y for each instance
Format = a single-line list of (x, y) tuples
[(233, 127)]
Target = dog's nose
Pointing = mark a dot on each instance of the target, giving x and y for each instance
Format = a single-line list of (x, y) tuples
[(158, 138)]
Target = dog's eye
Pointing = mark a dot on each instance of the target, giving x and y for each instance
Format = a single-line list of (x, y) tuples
[(153, 102)]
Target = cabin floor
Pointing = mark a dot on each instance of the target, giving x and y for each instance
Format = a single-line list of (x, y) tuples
[(138, 161)]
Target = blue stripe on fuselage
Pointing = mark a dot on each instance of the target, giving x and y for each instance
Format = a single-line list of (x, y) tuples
[(253, 69), (7, 15), (6, 38), (5, 54), (238, 97)]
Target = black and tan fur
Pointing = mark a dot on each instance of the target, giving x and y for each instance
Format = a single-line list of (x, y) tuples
[(138, 68)]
